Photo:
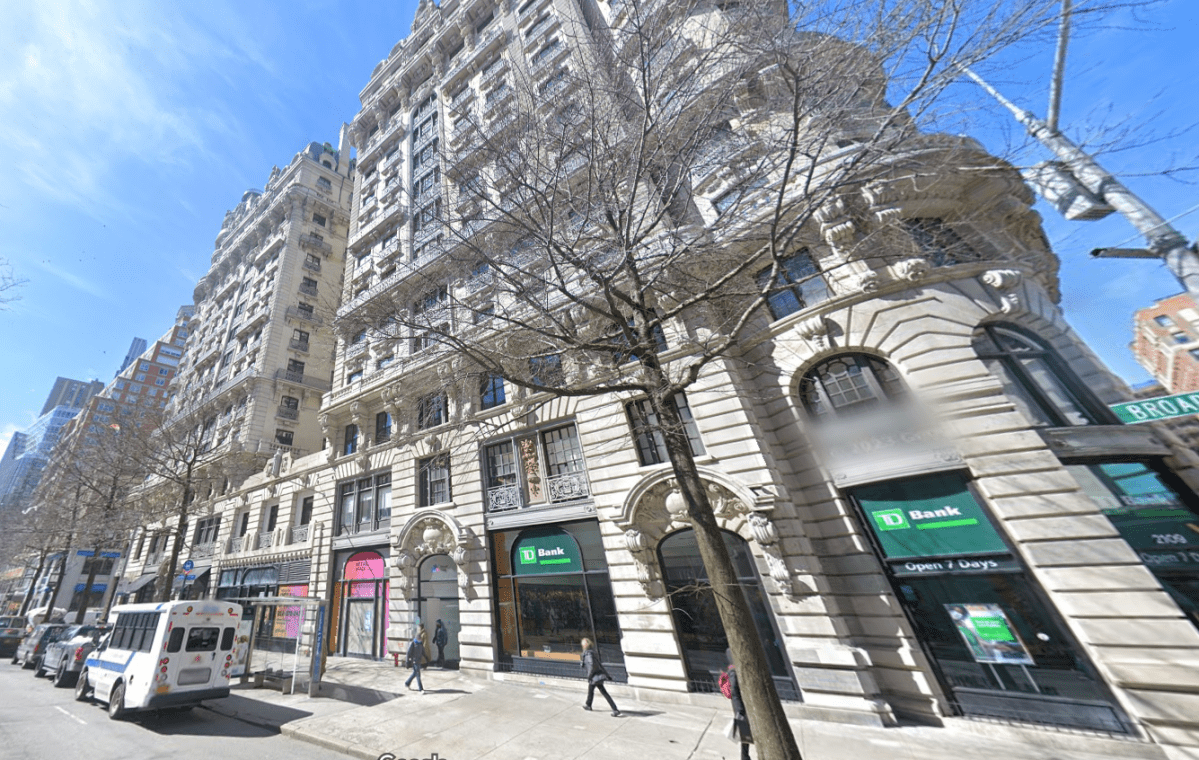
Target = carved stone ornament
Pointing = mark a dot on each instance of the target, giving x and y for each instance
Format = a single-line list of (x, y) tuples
[(866, 282), (884, 199), (1007, 283), (836, 225), (424, 535), (912, 269), (815, 330), (655, 511)]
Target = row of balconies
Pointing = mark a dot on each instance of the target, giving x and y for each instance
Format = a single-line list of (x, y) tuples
[(259, 540)]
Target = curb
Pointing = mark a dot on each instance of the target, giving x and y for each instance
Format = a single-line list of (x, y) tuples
[(337, 745), (248, 720)]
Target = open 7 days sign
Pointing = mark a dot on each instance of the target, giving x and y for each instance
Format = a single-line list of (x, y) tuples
[(928, 517)]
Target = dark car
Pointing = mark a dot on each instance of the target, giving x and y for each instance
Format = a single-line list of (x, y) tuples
[(34, 645), (12, 629), (65, 655)]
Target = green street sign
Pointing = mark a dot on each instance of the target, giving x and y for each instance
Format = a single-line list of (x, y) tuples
[(1160, 408), (546, 551), (928, 517)]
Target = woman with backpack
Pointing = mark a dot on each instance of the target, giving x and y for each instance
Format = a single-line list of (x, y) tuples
[(596, 675), (732, 690)]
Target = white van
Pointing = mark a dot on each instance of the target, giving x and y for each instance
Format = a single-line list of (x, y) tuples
[(172, 654)]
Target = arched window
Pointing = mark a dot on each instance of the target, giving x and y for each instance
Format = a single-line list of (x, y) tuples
[(848, 384), (696, 621), (1035, 378)]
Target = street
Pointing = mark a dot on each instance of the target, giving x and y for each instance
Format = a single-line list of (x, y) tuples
[(38, 721)]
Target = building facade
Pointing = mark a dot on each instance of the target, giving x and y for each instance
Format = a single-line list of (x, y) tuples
[(930, 508), (1166, 342)]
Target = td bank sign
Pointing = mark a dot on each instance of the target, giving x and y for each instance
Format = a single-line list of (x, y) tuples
[(546, 551), (928, 517)]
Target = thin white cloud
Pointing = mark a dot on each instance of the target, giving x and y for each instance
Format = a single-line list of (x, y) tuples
[(77, 282), (87, 87)]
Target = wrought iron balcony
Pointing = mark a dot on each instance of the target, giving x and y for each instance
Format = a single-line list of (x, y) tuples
[(298, 345), (288, 413), (567, 487)]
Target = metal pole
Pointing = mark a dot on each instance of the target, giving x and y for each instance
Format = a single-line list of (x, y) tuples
[(1168, 243), (1059, 67)]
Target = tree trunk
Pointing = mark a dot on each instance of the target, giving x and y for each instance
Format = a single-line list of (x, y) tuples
[(41, 563), (87, 587), (768, 723), (164, 594)]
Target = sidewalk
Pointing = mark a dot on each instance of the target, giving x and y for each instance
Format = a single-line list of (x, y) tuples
[(467, 718)]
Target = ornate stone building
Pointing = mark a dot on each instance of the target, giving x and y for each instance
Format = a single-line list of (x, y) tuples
[(930, 508)]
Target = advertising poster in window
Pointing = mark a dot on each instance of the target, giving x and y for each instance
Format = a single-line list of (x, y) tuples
[(988, 634), (241, 647)]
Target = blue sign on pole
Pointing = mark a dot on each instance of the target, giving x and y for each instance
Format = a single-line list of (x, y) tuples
[(188, 565)]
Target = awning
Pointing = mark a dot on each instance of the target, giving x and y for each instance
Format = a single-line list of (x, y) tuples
[(190, 577), (135, 585)]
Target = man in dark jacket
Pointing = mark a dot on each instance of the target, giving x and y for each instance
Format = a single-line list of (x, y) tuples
[(740, 719), (416, 653), (596, 675), (440, 637)]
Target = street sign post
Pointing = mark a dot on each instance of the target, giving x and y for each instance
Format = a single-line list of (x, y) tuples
[(1160, 408)]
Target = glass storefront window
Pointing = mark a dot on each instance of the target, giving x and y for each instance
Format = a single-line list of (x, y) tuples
[(697, 621), (1155, 521), (552, 591)]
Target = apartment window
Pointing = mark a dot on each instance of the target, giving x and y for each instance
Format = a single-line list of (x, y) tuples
[(284, 437), (272, 517), (159, 381), (546, 370), (797, 285), (1180, 337), (305, 309), (296, 366), (144, 366), (323, 183), (491, 391), (243, 526), (384, 362), (939, 241), (163, 371), (309, 283), (312, 261), (382, 427), (306, 510), (363, 504), (431, 411), (300, 339), (141, 544), (536, 468), (359, 336), (431, 300), (351, 440), (1164, 321), (1036, 380), (289, 402), (354, 377), (848, 384), (319, 219), (434, 480), (647, 432), (207, 530)]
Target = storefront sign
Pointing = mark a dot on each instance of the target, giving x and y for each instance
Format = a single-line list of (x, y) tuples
[(554, 552), (928, 517), (959, 566), (988, 634), (364, 566), (1160, 408)]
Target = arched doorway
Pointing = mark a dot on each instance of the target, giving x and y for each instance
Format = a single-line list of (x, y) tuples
[(437, 599), (696, 620)]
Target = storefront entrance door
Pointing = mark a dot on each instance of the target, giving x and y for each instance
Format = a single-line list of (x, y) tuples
[(438, 596), (360, 627)]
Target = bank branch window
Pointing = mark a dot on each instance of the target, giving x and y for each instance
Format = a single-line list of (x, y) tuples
[(1036, 380), (552, 591), (1154, 519), (997, 648)]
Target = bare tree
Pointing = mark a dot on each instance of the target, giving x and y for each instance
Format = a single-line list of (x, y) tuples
[(9, 283), (617, 222)]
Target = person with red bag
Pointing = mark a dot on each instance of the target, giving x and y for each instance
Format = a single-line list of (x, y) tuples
[(732, 691)]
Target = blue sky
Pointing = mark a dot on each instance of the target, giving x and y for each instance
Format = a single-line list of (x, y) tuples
[(131, 127)]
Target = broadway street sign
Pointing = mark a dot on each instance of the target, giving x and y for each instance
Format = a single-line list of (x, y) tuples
[(1161, 408)]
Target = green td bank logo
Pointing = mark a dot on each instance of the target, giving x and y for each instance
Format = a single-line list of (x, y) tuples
[(891, 519), (528, 555)]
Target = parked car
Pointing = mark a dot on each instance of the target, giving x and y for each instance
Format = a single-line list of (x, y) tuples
[(12, 629), (34, 645), (65, 655)]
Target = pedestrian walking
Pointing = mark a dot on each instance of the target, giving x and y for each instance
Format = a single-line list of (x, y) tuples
[(416, 653), (731, 689), (596, 675), (441, 637)]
